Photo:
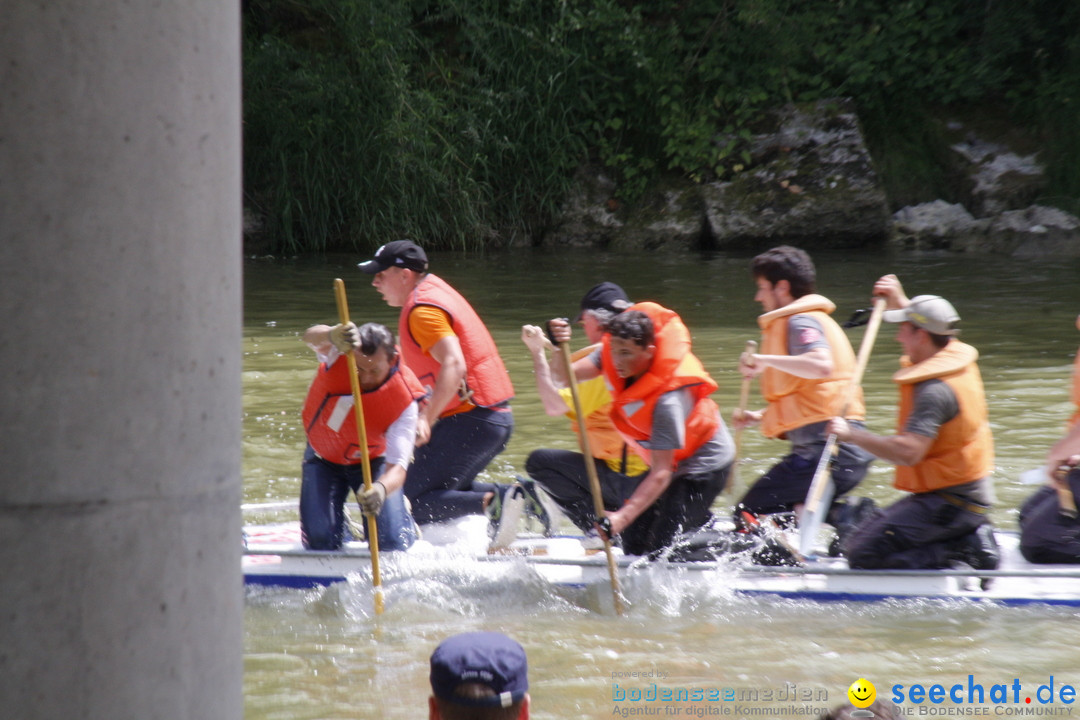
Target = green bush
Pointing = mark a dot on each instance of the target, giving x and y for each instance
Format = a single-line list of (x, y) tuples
[(461, 122)]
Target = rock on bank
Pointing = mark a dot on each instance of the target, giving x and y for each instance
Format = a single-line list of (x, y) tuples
[(809, 179)]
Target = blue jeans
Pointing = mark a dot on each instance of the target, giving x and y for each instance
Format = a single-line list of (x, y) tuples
[(439, 483), (323, 490)]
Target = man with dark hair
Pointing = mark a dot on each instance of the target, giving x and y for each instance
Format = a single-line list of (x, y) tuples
[(562, 473), (479, 676), (390, 395), (661, 407), (805, 365), (467, 421), (943, 448)]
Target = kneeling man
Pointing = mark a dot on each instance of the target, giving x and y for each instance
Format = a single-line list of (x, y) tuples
[(661, 407), (333, 457), (943, 449)]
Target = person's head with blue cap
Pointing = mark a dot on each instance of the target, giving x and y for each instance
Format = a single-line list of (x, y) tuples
[(479, 676)]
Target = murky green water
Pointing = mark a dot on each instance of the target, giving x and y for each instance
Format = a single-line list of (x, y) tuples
[(321, 654)]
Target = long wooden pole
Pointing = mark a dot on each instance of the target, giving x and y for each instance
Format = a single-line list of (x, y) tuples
[(590, 469), (821, 489), (744, 398), (358, 406)]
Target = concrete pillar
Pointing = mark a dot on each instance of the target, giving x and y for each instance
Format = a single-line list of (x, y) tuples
[(120, 288)]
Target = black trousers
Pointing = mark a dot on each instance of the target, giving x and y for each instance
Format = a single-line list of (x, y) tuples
[(563, 475), (913, 533), (682, 508), (1046, 536)]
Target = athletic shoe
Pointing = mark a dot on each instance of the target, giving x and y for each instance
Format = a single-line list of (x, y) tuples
[(536, 503), (978, 549), (504, 515)]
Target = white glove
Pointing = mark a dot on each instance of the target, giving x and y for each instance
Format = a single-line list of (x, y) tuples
[(371, 501), (345, 337)]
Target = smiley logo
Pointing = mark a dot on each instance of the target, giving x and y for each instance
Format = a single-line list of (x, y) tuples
[(862, 693)]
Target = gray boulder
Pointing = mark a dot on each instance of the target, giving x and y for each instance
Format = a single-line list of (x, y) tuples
[(998, 178), (809, 180), (1034, 232), (936, 225), (1037, 231)]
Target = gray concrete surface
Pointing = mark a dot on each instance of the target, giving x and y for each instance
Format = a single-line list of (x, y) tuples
[(120, 360)]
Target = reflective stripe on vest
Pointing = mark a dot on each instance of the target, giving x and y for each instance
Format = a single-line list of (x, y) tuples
[(330, 421)]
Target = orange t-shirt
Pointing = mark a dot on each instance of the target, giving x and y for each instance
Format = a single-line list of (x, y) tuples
[(428, 325)]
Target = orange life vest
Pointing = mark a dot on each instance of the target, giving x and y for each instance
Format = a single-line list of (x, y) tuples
[(673, 367), (963, 450), (605, 442), (795, 401), (330, 420), (486, 379)]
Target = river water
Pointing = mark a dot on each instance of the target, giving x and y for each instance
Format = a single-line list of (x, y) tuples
[(323, 654)]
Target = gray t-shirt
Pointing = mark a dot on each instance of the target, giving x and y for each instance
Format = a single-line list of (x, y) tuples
[(936, 404), (805, 334), (669, 433)]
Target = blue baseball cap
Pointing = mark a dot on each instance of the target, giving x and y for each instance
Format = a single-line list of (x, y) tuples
[(487, 658)]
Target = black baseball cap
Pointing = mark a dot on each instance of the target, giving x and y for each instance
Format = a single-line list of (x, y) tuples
[(487, 658), (605, 296), (400, 253)]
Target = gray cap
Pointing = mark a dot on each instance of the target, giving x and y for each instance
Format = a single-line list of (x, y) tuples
[(932, 313)]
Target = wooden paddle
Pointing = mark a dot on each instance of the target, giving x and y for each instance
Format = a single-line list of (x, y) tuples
[(590, 469), (820, 496), (358, 406), (744, 398)]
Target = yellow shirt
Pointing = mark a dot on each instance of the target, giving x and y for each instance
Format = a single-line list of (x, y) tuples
[(595, 397)]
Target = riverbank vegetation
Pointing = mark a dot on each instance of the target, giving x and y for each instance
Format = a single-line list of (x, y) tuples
[(462, 122)]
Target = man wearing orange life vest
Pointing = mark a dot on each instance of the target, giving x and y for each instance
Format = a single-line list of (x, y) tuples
[(943, 448), (467, 420), (661, 407), (1047, 535), (333, 457), (562, 473), (805, 364)]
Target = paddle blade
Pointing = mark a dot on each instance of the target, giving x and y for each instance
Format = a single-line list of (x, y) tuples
[(814, 517)]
